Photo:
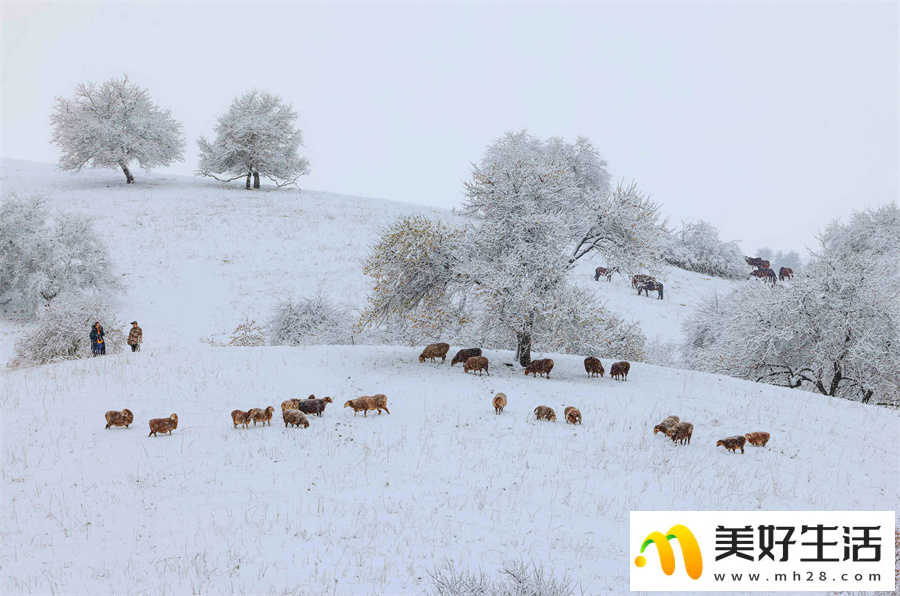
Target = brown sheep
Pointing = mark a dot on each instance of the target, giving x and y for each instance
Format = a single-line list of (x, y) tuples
[(289, 404), (240, 417), (163, 425), (620, 370), (435, 351), (681, 432), (368, 402), (665, 425), (733, 443), (464, 355), (545, 413), (539, 367), (258, 414), (312, 405), (572, 414), (123, 418), (758, 438), (593, 366), (477, 363), (294, 418), (499, 402)]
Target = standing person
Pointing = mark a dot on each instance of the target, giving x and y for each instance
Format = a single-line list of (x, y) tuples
[(135, 337), (98, 346)]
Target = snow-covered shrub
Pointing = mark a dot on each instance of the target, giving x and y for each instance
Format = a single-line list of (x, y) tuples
[(309, 321), (536, 207), (256, 136), (835, 330), (248, 334), (112, 125), (516, 578), (696, 247), (45, 253), (62, 332), (662, 352)]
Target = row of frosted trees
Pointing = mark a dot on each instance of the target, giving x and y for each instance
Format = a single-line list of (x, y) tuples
[(116, 124)]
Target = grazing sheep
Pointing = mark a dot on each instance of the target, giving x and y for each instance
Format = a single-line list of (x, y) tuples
[(572, 415), (539, 367), (758, 438), (435, 351), (545, 413), (241, 417), (464, 355), (733, 443), (368, 402), (123, 418), (476, 363), (289, 404), (312, 405), (258, 414), (163, 425), (294, 418), (499, 403), (593, 366), (681, 432), (665, 425), (620, 370)]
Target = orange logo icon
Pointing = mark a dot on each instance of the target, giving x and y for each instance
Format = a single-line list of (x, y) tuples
[(693, 561)]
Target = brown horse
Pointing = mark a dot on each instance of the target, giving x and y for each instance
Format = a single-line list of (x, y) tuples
[(605, 272), (757, 262), (765, 274), (651, 286), (785, 273), (638, 280)]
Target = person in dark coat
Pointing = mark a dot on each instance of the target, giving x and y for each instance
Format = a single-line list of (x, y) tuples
[(98, 345)]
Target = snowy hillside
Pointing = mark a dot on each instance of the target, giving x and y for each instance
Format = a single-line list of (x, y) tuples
[(199, 257), (365, 505)]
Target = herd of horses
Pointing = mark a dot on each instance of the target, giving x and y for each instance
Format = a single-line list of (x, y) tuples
[(647, 284), (764, 272)]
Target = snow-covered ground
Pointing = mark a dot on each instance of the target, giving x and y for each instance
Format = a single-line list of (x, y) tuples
[(199, 257), (354, 504), (369, 504)]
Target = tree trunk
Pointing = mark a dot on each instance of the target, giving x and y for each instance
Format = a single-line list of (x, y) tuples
[(128, 177), (249, 173), (255, 179), (867, 396), (523, 347)]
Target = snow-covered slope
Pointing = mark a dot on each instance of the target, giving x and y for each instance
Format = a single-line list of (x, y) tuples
[(369, 504), (199, 257)]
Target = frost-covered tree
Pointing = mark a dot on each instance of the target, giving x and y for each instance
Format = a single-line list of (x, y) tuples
[(45, 253), (790, 259), (835, 330), (535, 208), (255, 137), (696, 247), (112, 125)]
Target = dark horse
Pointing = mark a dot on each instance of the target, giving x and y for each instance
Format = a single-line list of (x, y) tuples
[(765, 274), (785, 273), (653, 286), (757, 262)]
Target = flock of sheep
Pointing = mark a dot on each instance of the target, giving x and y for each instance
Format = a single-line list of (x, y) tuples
[(294, 411), (681, 432)]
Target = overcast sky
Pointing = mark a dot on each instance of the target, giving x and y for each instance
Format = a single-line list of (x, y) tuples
[(768, 119)]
